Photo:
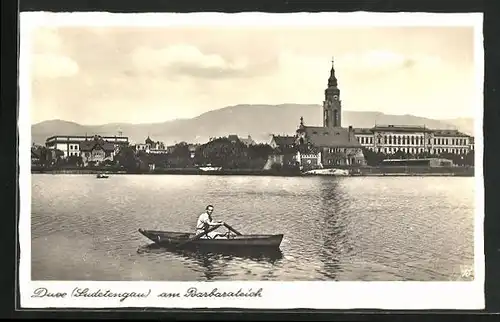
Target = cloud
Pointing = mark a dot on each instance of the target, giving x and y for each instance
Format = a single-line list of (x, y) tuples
[(151, 74), (186, 60), (301, 77), (46, 40), (312, 70), (49, 59), (385, 60), (53, 66), (389, 81)]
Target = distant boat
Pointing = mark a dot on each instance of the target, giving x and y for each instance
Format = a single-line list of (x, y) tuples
[(102, 176), (209, 167), (328, 172)]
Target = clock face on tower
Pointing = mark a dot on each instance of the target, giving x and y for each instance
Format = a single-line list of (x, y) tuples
[(335, 97)]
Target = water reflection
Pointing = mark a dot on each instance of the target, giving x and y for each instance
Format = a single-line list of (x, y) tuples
[(369, 228), (213, 264), (333, 228)]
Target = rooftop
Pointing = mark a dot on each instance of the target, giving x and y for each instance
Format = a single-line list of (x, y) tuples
[(330, 137), (284, 140), (409, 128), (96, 142), (84, 137), (401, 128)]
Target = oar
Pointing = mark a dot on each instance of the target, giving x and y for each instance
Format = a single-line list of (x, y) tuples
[(198, 236), (232, 229)]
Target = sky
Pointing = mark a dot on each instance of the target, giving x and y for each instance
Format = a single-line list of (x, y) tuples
[(97, 75)]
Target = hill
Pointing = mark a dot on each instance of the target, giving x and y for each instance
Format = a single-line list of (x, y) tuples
[(259, 121)]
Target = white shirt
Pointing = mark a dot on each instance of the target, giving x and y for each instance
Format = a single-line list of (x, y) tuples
[(202, 220)]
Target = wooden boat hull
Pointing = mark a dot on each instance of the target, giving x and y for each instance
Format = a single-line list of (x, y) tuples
[(268, 254), (170, 238)]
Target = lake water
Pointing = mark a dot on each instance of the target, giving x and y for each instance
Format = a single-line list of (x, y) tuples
[(352, 228)]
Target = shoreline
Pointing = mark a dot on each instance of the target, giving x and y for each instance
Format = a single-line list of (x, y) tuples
[(363, 172)]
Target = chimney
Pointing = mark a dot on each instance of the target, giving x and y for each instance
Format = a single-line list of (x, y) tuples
[(350, 132)]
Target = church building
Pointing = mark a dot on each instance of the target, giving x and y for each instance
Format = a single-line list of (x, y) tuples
[(331, 144)]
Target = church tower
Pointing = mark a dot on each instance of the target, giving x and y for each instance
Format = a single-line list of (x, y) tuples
[(332, 109)]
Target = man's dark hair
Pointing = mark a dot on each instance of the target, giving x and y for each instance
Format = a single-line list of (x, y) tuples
[(209, 206)]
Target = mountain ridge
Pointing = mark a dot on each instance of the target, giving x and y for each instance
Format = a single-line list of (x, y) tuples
[(258, 121)]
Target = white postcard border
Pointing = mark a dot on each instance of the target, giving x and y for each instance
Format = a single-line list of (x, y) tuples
[(274, 295)]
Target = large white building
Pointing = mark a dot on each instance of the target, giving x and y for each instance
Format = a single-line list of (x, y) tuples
[(390, 139), (151, 147), (70, 144)]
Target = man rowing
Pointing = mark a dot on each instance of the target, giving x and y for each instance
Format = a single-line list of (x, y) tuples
[(205, 222)]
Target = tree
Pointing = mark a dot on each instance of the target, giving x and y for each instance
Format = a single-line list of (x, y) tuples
[(143, 160), (159, 160), (46, 156), (373, 158), (180, 157), (126, 158), (258, 155), (222, 152), (74, 160), (260, 151), (45, 159), (469, 158), (181, 150), (400, 154), (108, 163)]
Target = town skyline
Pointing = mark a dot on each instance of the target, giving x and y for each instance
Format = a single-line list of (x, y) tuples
[(152, 75), (242, 120)]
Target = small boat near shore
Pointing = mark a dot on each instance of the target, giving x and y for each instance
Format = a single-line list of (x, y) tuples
[(102, 176), (328, 172), (209, 168), (189, 240)]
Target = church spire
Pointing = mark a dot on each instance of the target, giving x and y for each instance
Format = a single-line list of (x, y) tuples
[(332, 81), (332, 109), (301, 126)]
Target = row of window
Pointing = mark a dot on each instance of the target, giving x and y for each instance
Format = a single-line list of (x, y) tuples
[(412, 140), (308, 156), (404, 140), (420, 150), (445, 141), (86, 154), (339, 150), (76, 147), (340, 162)]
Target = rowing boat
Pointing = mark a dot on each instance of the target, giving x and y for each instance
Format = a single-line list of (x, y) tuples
[(171, 238), (206, 255)]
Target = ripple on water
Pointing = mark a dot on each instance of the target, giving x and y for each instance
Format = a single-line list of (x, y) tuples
[(335, 228)]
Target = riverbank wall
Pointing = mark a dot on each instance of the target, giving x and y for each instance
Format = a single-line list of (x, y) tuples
[(357, 171), (417, 171)]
